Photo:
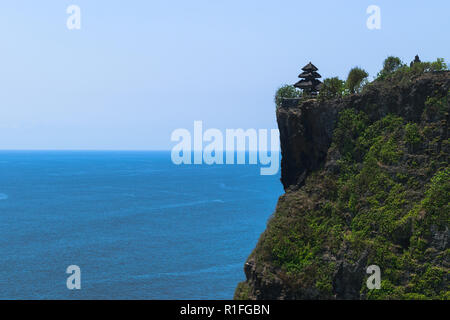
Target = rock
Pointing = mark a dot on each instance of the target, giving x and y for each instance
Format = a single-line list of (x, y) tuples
[(316, 245), (306, 130)]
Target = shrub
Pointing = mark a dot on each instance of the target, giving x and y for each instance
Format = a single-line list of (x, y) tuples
[(437, 105), (332, 87), (286, 91), (350, 126), (438, 65), (412, 135), (356, 79), (390, 65), (437, 198), (422, 67), (405, 73)]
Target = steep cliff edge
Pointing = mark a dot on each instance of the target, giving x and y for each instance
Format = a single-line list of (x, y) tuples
[(367, 182)]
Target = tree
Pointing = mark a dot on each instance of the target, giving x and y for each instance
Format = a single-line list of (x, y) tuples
[(356, 79), (390, 65), (332, 87), (286, 92)]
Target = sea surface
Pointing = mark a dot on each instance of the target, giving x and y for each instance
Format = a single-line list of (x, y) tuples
[(138, 226)]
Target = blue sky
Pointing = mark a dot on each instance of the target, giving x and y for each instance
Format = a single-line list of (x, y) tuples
[(137, 70)]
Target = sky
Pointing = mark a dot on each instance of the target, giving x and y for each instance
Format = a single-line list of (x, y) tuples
[(138, 70)]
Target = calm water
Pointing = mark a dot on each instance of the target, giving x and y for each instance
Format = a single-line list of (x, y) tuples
[(138, 226)]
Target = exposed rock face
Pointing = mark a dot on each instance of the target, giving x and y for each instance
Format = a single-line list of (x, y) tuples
[(306, 131), (363, 175)]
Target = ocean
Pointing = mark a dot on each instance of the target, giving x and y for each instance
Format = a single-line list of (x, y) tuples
[(138, 226)]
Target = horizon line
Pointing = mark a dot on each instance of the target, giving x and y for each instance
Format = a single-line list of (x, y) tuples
[(130, 150), (84, 150)]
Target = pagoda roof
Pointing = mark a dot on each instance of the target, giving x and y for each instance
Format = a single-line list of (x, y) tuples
[(310, 67), (308, 74), (303, 84), (309, 84)]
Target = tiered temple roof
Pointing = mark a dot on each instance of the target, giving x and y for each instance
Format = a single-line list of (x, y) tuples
[(309, 82)]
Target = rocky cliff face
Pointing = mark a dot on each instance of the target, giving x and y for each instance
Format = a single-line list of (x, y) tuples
[(306, 130), (367, 182)]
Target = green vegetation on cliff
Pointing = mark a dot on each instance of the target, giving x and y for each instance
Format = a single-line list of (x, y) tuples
[(381, 197)]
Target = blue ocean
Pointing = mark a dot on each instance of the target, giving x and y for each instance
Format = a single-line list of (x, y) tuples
[(138, 226)]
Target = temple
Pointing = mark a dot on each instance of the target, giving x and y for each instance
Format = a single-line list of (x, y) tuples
[(416, 60), (309, 83)]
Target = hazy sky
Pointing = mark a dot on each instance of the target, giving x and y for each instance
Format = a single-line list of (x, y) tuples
[(137, 70)]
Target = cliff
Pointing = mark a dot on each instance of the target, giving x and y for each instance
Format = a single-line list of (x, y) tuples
[(367, 183)]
